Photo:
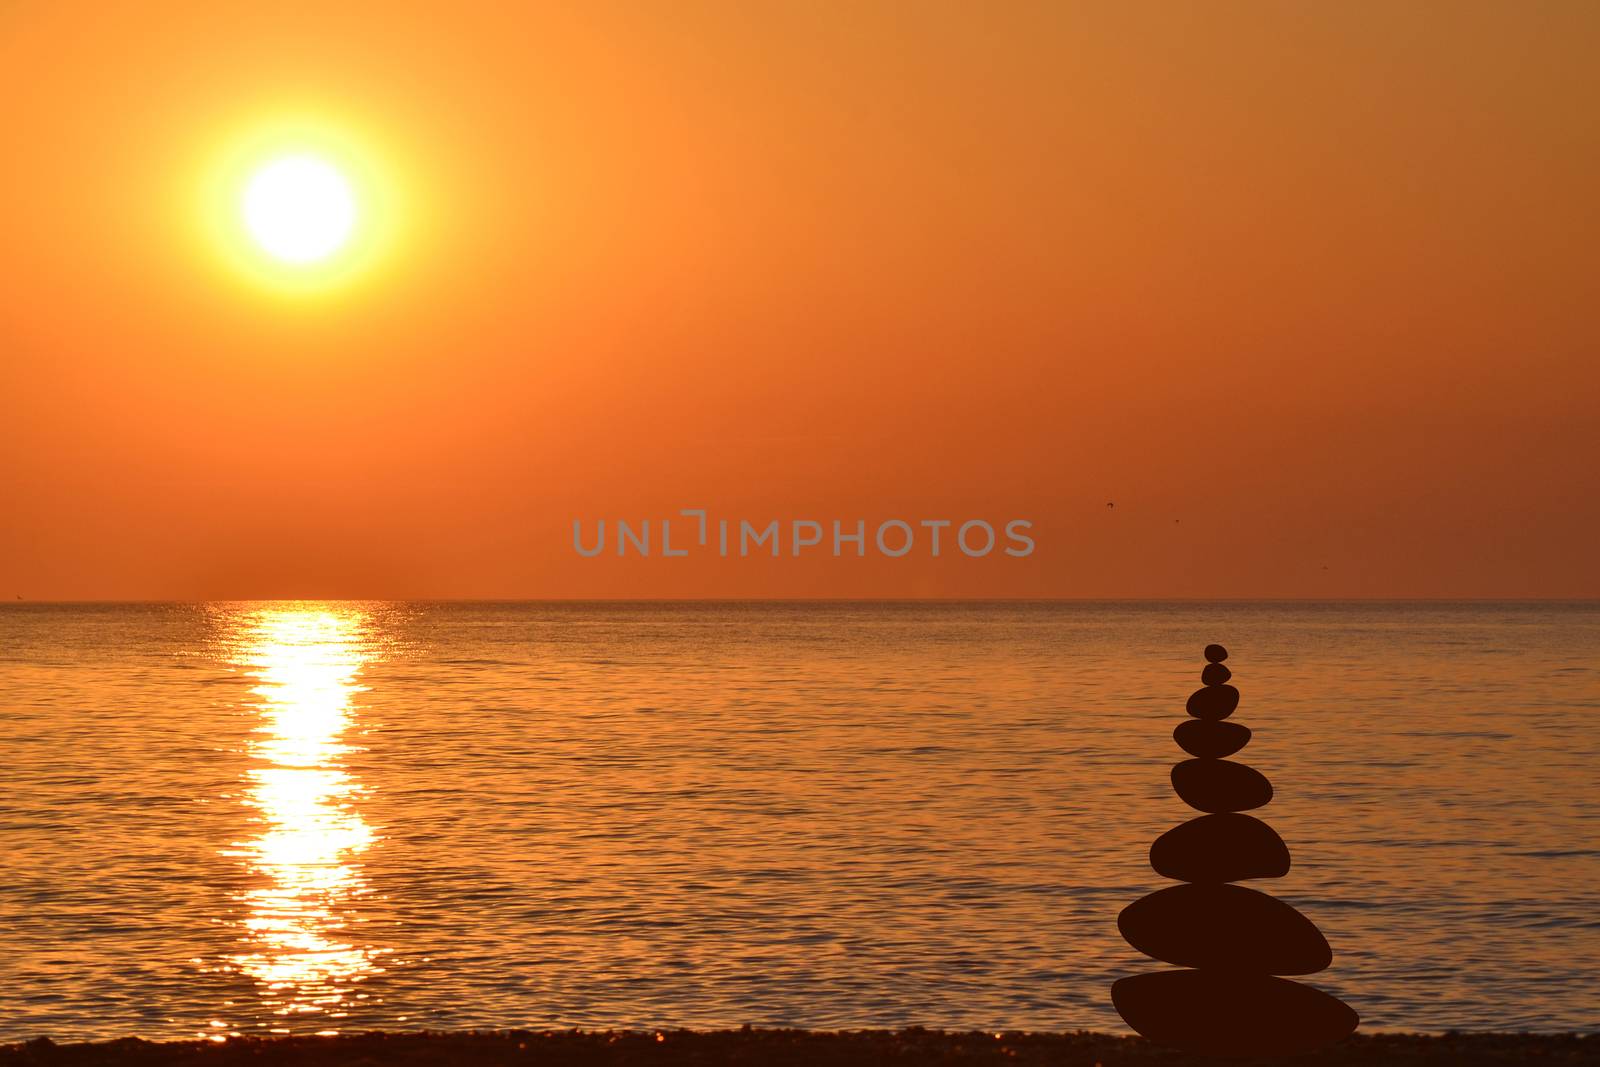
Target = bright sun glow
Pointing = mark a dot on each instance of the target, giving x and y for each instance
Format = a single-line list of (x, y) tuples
[(299, 209), (309, 206)]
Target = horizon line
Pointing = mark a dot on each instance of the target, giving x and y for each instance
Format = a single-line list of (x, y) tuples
[(818, 600)]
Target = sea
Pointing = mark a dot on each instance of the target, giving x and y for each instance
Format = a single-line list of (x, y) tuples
[(322, 817)]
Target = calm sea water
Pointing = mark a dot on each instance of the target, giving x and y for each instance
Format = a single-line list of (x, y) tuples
[(306, 817)]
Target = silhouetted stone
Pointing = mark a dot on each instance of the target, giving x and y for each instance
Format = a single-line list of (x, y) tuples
[(1224, 927), (1210, 740), (1233, 1015), (1237, 937), (1220, 848), (1213, 702), (1220, 785)]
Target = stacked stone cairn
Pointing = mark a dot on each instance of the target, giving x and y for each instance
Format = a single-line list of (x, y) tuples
[(1235, 941)]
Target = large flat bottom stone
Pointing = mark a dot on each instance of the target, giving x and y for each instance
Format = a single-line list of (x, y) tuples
[(1219, 1014)]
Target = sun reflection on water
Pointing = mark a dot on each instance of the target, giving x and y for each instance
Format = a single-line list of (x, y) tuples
[(296, 942)]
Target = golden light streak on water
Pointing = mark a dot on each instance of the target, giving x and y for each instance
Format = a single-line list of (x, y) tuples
[(297, 945)]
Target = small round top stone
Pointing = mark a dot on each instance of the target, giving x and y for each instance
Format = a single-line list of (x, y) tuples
[(1216, 653)]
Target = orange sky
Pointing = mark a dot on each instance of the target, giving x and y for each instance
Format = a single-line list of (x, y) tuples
[(1317, 280)]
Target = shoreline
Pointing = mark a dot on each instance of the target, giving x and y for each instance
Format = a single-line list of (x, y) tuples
[(780, 1047)]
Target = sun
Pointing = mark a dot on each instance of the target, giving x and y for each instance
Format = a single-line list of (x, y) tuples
[(307, 205), (299, 209)]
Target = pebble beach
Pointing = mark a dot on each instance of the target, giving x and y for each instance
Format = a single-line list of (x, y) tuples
[(579, 1048)]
